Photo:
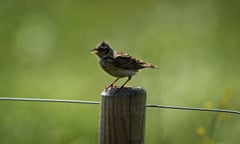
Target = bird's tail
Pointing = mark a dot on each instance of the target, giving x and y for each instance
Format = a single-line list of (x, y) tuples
[(148, 65)]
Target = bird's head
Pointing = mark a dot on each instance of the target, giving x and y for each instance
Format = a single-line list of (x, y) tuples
[(103, 50)]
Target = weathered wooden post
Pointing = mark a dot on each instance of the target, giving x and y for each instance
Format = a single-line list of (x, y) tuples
[(122, 116)]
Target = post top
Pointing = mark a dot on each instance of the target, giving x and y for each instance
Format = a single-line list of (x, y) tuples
[(125, 91)]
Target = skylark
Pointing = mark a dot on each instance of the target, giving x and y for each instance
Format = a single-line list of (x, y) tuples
[(118, 64)]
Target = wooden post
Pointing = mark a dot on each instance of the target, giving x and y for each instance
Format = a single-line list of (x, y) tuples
[(122, 116)]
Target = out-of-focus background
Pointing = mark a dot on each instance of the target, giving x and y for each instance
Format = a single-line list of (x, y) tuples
[(44, 53)]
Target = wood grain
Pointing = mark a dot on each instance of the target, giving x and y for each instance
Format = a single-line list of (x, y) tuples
[(122, 116)]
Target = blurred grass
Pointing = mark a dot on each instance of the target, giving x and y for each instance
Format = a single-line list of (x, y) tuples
[(44, 53)]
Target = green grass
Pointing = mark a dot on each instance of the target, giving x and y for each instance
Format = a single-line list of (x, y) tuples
[(44, 53)]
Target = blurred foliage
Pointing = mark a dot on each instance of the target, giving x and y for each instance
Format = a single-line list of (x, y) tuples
[(44, 53)]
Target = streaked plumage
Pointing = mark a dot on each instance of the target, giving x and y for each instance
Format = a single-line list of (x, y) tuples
[(118, 64)]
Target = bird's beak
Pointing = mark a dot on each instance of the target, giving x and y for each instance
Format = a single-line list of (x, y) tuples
[(94, 51)]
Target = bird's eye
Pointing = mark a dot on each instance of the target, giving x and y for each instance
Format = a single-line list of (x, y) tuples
[(103, 48)]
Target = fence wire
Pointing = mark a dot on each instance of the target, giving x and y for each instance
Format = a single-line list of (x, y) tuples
[(97, 103)]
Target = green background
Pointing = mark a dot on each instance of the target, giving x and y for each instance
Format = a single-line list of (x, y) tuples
[(44, 53)]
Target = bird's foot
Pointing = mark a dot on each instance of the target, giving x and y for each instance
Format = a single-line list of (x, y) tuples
[(110, 86)]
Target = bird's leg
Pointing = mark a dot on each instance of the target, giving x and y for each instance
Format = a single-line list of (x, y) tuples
[(129, 78), (112, 84)]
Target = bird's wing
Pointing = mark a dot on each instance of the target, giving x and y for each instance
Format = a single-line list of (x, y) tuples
[(125, 61)]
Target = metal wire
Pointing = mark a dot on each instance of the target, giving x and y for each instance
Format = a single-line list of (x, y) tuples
[(194, 109), (47, 100), (96, 103)]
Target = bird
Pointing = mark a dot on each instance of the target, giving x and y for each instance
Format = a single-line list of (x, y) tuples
[(118, 64)]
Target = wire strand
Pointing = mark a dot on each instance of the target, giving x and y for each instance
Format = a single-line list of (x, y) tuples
[(96, 103), (194, 109), (48, 100)]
